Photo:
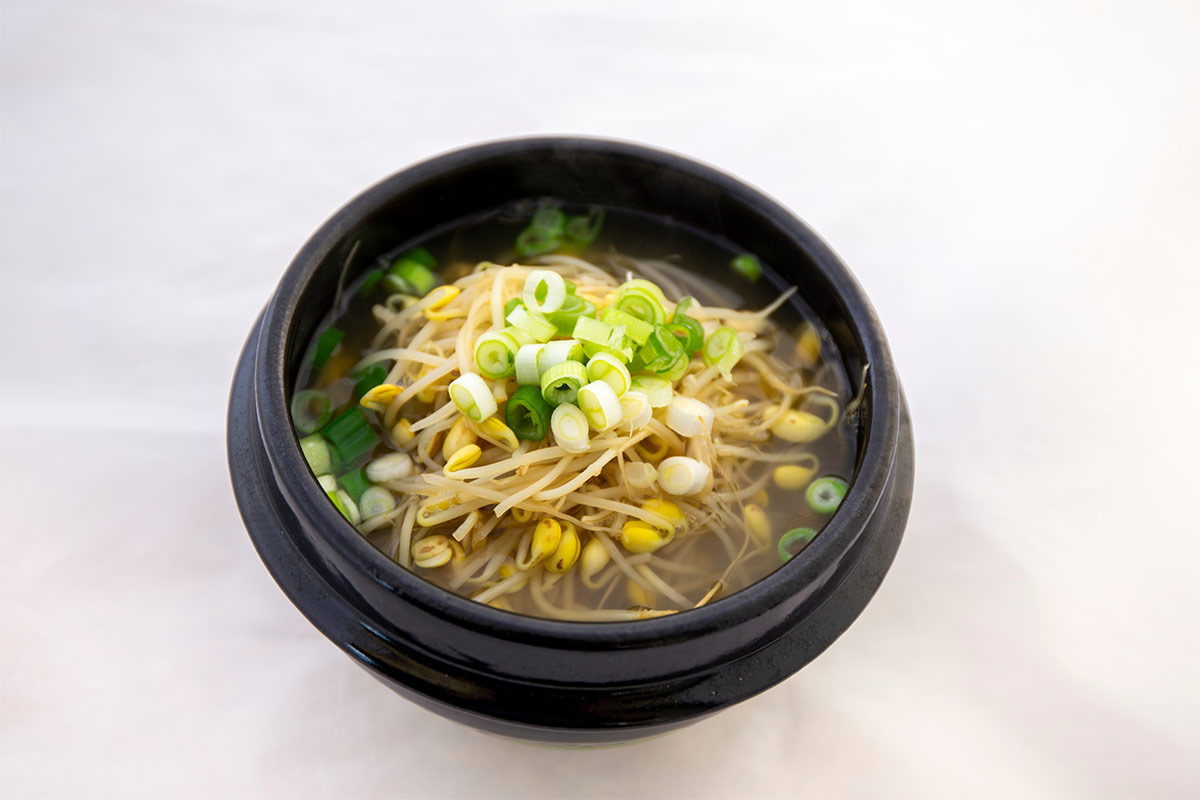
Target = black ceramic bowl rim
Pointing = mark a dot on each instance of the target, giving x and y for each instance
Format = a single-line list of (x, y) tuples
[(801, 574)]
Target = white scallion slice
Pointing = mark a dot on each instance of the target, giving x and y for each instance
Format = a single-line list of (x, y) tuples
[(657, 390), (681, 475), (316, 453), (392, 467), (689, 417), (570, 427), (608, 368), (347, 506), (640, 474), (528, 364), (328, 483), (473, 397), (635, 410), (545, 291), (600, 404), (375, 500)]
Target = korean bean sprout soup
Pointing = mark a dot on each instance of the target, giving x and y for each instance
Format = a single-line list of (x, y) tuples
[(576, 413)]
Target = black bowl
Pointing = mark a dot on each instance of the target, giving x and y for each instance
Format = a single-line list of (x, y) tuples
[(538, 679)]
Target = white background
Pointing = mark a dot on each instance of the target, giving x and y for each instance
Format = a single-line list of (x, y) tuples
[(1015, 184)]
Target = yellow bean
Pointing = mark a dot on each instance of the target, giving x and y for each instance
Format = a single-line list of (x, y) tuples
[(567, 552), (757, 523), (792, 477), (442, 296), (379, 398), (799, 426), (432, 552), (402, 433), (641, 537), (521, 515), (639, 595), (652, 448), (461, 459), (427, 510), (808, 346), (546, 538), (595, 558), (492, 428), (762, 498), (460, 436), (667, 510)]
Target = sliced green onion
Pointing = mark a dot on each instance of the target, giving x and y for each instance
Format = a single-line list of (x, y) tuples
[(608, 368), (786, 547), (351, 435), (376, 500), (422, 257), (511, 304), (346, 506), (592, 331), (311, 409), (527, 414), (368, 379), (681, 475), (559, 351), (392, 467), (571, 287), (642, 299), (370, 282), (723, 350), (528, 365), (570, 428), (561, 382), (545, 291), (657, 390), (496, 354), (683, 305), (521, 336), (413, 274), (533, 324), (328, 483), (536, 241), (824, 495), (317, 453), (550, 219), (583, 230), (747, 266), (354, 483), (678, 369), (472, 397), (662, 351), (689, 417), (600, 405), (635, 410), (569, 313), (327, 343), (694, 332), (636, 329)]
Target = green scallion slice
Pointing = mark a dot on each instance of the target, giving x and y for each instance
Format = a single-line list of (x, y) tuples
[(415, 276), (355, 483), (536, 241), (327, 343), (528, 414), (824, 495), (560, 383), (658, 390), (550, 219), (370, 282), (792, 542), (747, 266), (642, 299), (512, 303), (723, 350), (638, 330), (496, 354), (694, 329), (352, 436), (422, 257), (662, 351), (568, 314), (311, 409), (583, 231), (368, 379)]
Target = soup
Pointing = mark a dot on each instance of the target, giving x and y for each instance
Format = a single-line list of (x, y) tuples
[(577, 413)]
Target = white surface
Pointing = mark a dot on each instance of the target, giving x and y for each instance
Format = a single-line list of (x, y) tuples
[(1016, 188)]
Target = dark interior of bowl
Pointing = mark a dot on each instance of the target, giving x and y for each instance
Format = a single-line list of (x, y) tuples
[(411, 204)]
